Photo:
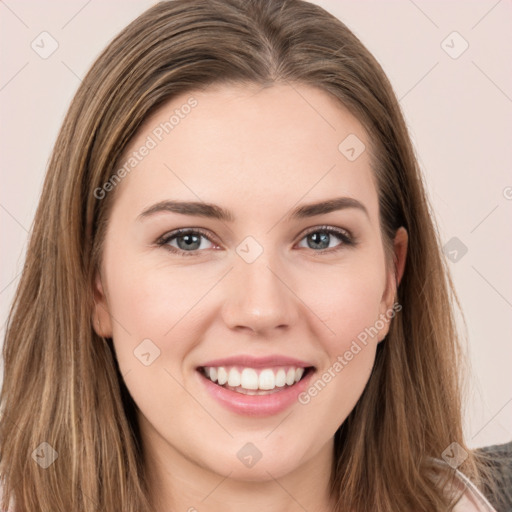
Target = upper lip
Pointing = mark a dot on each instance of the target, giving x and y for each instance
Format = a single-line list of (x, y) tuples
[(257, 362)]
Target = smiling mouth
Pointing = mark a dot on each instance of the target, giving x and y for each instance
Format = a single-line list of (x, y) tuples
[(255, 381)]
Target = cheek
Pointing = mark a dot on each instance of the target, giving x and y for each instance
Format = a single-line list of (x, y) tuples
[(349, 306), (348, 339), (151, 300), (155, 324)]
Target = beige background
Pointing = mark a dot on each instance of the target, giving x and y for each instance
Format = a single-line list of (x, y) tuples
[(458, 110)]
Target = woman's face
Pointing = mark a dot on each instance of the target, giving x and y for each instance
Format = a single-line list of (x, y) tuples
[(261, 289)]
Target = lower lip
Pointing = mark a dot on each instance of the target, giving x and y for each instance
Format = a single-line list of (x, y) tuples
[(256, 405)]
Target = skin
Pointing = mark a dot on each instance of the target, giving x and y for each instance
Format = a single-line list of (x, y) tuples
[(258, 152)]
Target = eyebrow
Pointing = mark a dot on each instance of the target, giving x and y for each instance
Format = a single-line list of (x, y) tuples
[(214, 211)]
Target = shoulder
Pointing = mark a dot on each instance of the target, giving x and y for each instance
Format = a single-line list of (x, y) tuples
[(472, 499)]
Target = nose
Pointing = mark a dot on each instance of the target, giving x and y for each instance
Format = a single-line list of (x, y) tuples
[(259, 297)]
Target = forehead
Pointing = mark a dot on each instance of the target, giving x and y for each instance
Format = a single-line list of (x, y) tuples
[(233, 143)]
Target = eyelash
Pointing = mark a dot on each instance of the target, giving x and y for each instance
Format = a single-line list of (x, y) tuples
[(346, 238)]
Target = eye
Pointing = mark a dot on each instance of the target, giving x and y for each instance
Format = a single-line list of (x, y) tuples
[(322, 236), (187, 241)]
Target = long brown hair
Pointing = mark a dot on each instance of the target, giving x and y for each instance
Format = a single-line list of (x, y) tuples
[(62, 384)]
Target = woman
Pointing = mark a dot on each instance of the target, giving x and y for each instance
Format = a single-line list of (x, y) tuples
[(234, 293)]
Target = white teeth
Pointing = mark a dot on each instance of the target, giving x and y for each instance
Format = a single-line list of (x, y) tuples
[(280, 378), (234, 378), (249, 380), (267, 380), (222, 376)]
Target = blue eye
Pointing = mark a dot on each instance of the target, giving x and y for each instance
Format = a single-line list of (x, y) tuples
[(189, 242), (321, 237)]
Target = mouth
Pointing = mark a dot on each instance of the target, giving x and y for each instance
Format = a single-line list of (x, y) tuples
[(256, 381)]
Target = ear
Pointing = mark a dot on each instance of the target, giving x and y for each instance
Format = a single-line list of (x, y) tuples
[(400, 255), (394, 277), (101, 320)]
